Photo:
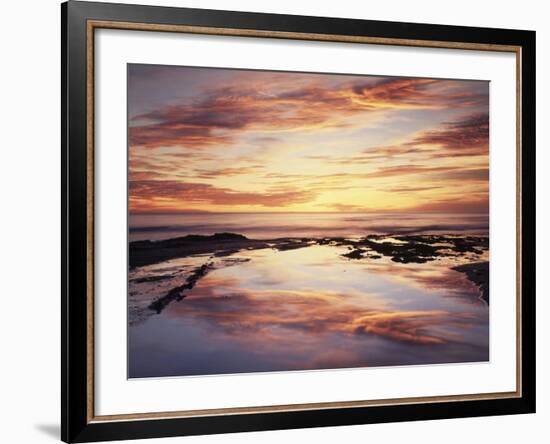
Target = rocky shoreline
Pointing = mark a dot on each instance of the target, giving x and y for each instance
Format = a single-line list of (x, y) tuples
[(399, 248), (478, 273)]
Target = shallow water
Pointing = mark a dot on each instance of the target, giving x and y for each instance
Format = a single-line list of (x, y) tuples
[(308, 308)]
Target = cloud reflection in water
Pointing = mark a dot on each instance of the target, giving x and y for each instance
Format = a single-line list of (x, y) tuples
[(310, 309)]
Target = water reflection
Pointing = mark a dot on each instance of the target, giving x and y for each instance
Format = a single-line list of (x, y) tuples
[(307, 308)]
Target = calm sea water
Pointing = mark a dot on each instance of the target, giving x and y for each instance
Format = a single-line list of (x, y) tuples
[(308, 308), (275, 225)]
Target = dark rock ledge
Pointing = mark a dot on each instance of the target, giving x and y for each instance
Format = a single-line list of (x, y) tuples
[(478, 273)]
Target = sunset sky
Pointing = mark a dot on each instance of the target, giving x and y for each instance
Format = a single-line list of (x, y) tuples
[(219, 140)]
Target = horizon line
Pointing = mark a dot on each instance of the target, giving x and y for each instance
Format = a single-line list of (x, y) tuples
[(168, 213)]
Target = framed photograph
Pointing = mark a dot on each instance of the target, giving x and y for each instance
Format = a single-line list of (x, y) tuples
[(276, 221)]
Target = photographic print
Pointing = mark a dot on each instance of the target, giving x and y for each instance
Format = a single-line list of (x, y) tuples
[(284, 221)]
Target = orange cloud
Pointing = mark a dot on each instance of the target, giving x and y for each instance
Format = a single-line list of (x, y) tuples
[(230, 171), (214, 148), (464, 205), (148, 195), (415, 93), (402, 170), (410, 189), (466, 137), (226, 112)]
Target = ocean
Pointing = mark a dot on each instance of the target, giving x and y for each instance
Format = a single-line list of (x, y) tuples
[(304, 304), (277, 225)]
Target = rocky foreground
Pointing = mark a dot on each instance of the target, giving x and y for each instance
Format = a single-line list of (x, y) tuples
[(399, 248)]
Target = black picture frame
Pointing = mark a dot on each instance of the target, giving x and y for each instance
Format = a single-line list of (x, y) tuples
[(76, 423)]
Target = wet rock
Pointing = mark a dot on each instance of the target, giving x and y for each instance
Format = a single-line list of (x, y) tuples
[(157, 278), (220, 244), (354, 254), (178, 293), (478, 273), (420, 248)]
